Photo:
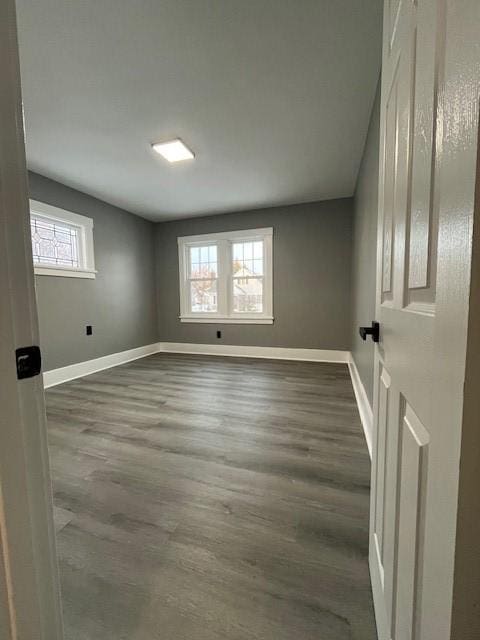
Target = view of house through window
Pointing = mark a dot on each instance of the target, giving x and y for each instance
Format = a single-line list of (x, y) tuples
[(248, 277), (226, 277)]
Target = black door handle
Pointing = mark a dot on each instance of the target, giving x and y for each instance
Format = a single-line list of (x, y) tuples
[(373, 331), (29, 362)]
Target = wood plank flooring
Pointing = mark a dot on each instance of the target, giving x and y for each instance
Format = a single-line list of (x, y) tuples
[(208, 498)]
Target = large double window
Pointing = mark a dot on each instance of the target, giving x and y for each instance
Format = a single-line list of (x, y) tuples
[(226, 277)]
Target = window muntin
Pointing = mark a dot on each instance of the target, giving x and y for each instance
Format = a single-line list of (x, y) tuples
[(226, 277), (62, 242)]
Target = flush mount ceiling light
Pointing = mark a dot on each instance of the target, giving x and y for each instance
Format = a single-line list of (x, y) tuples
[(173, 150)]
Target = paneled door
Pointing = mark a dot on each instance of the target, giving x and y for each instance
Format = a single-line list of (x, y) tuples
[(428, 148)]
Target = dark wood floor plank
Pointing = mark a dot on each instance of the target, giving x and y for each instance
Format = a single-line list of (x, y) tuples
[(207, 498)]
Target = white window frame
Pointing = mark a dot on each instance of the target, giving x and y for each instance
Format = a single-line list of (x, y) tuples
[(84, 226), (224, 242)]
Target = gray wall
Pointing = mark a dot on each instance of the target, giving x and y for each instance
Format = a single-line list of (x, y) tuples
[(311, 272), (365, 250), (119, 303)]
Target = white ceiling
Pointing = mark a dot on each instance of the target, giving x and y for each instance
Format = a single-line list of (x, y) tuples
[(273, 96)]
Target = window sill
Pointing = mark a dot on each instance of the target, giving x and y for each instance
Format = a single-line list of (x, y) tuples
[(228, 320), (65, 273)]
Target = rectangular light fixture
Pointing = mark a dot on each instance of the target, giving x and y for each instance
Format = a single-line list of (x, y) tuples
[(173, 150)]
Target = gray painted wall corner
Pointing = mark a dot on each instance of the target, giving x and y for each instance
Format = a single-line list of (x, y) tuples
[(134, 299), (119, 303), (324, 275)]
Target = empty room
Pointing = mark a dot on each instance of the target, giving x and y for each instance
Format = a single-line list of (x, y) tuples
[(239, 320)]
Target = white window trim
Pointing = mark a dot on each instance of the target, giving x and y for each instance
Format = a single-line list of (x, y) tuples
[(85, 235), (224, 241)]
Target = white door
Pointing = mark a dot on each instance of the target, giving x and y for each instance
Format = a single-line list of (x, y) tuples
[(429, 122), (29, 591)]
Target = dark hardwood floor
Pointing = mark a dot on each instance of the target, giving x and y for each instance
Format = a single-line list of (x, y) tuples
[(208, 498)]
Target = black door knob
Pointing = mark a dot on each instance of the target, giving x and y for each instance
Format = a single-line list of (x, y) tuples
[(373, 331)]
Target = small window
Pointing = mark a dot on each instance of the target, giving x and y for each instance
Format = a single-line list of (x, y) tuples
[(54, 243), (226, 277), (62, 242)]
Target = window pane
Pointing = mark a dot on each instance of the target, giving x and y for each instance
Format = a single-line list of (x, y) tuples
[(258, 249), (238, 251), (258, 267), (195, 254), (248, 295), (203, 296), (203, 262), (237, 267), (54, 243)]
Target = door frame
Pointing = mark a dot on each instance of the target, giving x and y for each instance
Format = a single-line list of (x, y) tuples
[(30, 605)]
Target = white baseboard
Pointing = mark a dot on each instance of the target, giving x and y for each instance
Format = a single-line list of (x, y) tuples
[(275, 353), (363, 403), (80, 369)]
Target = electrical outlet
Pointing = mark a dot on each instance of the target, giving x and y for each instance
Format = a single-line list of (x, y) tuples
[(219, 334), (89, 330)]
